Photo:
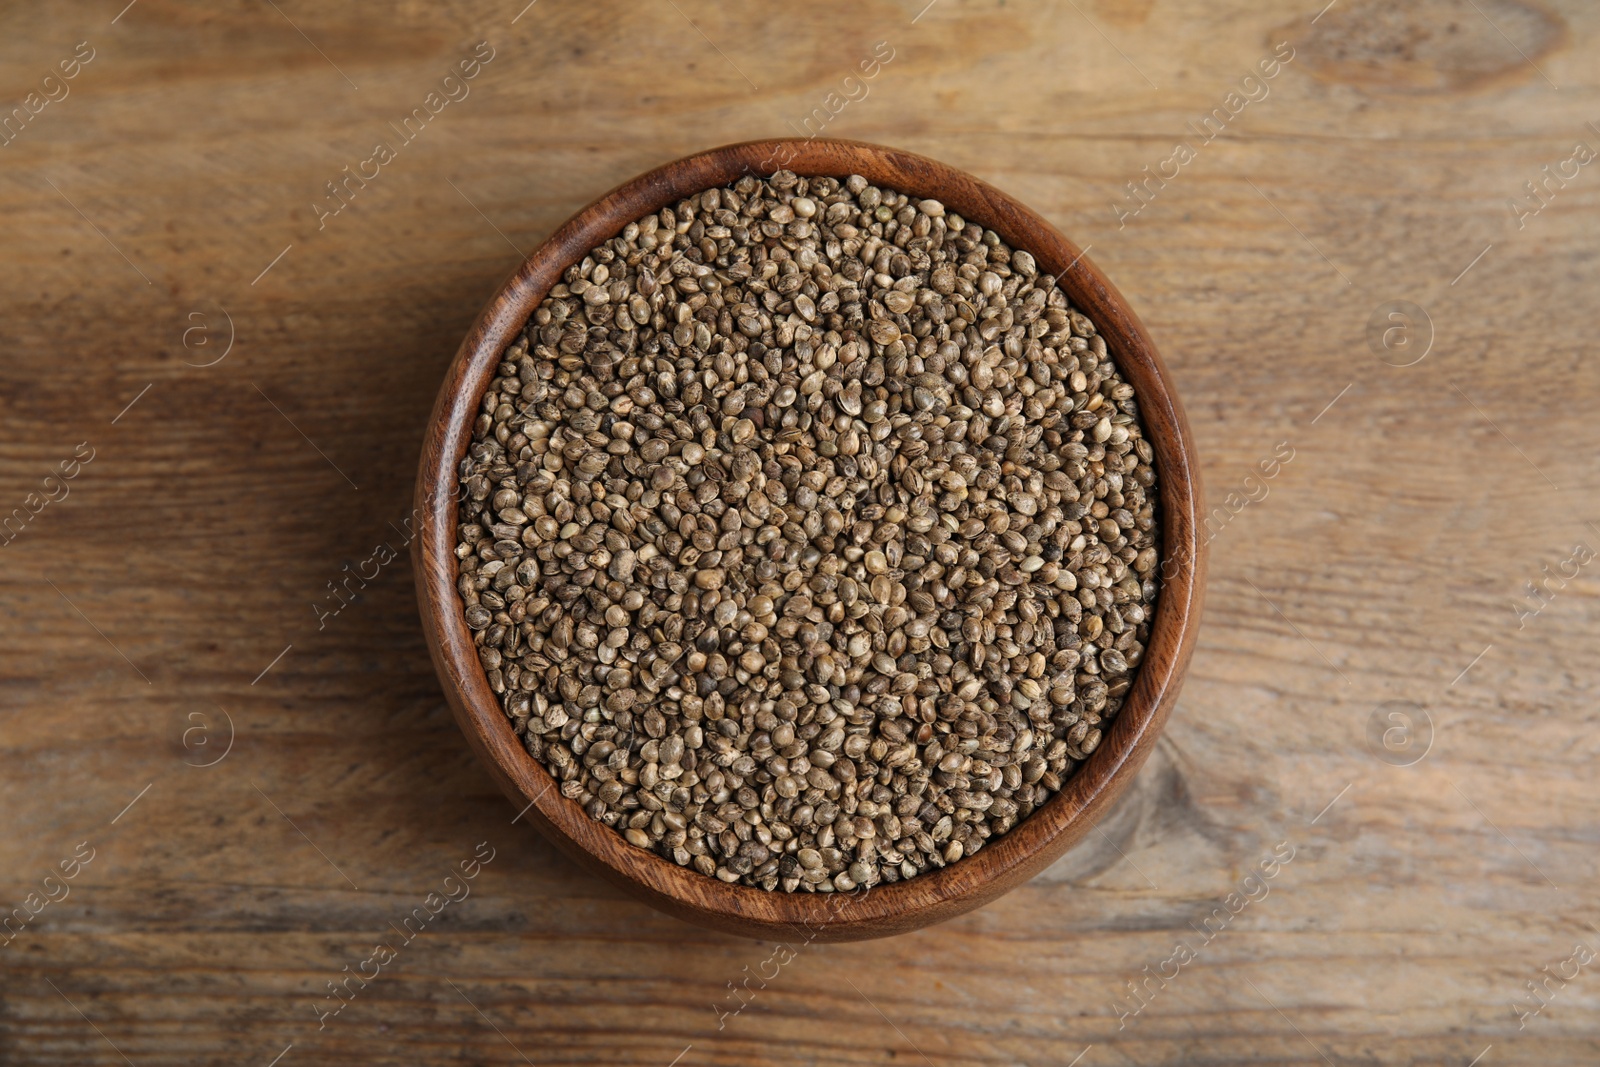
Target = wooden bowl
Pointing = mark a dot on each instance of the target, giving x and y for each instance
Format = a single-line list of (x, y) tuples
[(1005, 861)]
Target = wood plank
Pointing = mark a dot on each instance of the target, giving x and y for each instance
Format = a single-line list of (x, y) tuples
[(1385, 557)]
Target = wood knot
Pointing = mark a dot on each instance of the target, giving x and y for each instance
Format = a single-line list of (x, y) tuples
[(1430, 46)]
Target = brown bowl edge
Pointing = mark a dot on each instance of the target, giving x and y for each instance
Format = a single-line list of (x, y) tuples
[(1006, 861)]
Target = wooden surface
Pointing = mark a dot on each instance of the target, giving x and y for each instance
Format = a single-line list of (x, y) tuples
[(935, 896), (1385, 562)]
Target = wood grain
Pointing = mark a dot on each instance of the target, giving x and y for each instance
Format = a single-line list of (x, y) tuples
[(1384, 558)]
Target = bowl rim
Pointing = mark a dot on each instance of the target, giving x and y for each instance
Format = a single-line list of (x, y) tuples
[(1005, 861)]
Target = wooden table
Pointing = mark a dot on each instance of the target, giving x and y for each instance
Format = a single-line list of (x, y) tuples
[(1373, 689)]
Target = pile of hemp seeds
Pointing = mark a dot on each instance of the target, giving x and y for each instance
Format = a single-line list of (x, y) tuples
[(808, 534)]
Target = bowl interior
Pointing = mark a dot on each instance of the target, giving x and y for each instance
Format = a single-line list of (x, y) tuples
[(1004, 861)]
